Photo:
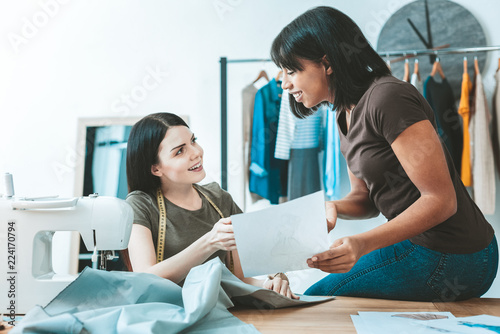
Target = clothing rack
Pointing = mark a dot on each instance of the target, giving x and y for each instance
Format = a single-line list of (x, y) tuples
[(387, 54)]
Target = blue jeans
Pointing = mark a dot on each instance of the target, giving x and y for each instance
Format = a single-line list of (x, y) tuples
[(407, 271)]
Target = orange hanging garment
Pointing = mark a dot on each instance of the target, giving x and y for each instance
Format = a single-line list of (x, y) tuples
[(464, 111)]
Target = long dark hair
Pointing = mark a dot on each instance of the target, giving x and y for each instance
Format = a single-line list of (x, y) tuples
[(142, 149), (325, 31)]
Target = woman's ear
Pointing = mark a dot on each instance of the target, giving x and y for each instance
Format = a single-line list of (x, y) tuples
[(155, 170), (326, 64)]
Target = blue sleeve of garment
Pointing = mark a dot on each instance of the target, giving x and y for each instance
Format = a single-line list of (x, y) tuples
[(337, 156), (329, 157), (258, 172), (256, 169), (425, 91), (428, 95), (258, 129), (332, 156)]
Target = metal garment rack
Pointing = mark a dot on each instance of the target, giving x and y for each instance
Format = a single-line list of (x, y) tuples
[(223, 86)]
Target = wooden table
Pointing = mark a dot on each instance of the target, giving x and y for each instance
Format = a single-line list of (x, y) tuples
[(334, 316)]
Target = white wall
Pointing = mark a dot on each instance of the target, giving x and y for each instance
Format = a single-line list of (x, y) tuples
[(61, 60)]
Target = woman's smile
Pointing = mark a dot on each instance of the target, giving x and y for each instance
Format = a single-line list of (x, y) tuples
[(297, 95), (308, 86), (196, 168)]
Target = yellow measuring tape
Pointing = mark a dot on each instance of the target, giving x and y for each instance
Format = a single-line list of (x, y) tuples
[(163, 225)]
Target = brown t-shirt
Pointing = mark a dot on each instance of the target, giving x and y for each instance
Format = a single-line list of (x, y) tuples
[(183, 227), (388, 107)]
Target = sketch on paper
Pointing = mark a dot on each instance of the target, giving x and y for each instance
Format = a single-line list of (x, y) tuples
[(281, 238), (287, 244)]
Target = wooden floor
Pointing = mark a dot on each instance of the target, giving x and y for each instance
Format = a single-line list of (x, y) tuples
[(334, 316)]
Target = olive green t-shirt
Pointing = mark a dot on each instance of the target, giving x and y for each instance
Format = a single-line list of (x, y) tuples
[(183, 227), (389, 107)]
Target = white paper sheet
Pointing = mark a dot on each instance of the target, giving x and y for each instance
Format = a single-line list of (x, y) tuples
[(487, 324), (396, 322), (359, 324), (281, 238)]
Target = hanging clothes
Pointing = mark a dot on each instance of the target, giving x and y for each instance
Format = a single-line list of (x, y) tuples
[(417, 83), (464, 111), (248, 103), (296, 133), (406, 75), (286, 130), (268, 175), (483, 169), (496, 119), (440, 97), (415, 80), (299, 141), (332, 156), (303, 172)]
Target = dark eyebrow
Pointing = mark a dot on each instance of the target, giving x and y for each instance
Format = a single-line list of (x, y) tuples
[(179, 146)]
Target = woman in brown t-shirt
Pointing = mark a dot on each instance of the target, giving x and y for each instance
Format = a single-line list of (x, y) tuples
[(436, 244)]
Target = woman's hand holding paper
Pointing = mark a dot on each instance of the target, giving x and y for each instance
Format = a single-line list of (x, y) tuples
[(331, 215), (222, 236), (340, 258)]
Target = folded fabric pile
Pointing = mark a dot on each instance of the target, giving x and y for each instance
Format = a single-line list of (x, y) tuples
[(123, 302)]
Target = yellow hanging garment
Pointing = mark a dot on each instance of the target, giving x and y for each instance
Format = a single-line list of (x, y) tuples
[(464, 111)]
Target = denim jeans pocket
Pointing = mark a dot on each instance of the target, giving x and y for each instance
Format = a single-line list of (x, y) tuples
[(436, 281), (458, 276), (399, 251)]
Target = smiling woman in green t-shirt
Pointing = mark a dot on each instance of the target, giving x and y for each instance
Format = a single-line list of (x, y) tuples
[(177, 223)]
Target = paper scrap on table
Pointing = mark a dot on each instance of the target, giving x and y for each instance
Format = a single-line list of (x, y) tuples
[(397, 322), (484, 323), (281, 238)]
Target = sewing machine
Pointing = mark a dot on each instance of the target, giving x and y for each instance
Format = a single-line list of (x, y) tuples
[(26, 231)]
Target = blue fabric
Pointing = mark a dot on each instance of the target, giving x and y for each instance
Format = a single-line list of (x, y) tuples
[(449, 123), (308, 131), (122, 302), (407, 271), (257, 170), (286, 129), (331, 159), (271, 181), (296, 133), (303, 172)]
